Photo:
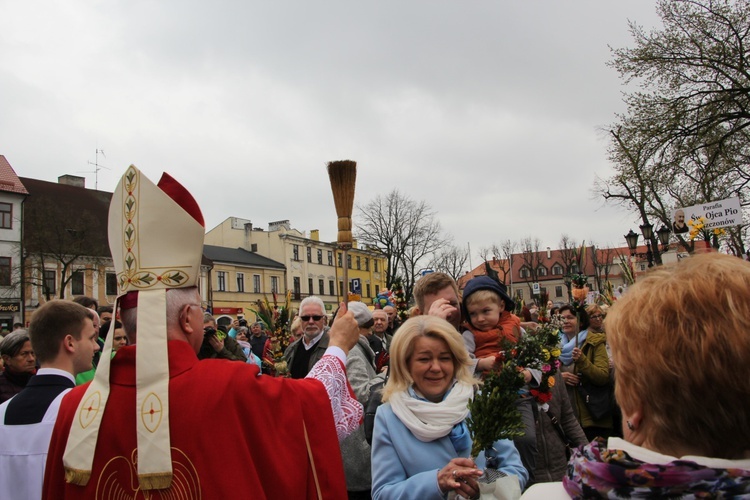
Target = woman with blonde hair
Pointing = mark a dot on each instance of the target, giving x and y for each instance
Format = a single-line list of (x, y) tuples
[(596, 318), (682, 385), (421, 443), (296, 329)]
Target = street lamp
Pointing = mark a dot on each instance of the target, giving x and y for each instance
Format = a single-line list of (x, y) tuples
[(652, 254)]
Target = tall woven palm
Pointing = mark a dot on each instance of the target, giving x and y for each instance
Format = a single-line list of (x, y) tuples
[(343, 177)]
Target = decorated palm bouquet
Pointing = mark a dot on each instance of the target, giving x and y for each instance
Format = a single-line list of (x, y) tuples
[(494, 414), (277, 319)]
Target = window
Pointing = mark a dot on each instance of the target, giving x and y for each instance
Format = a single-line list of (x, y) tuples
[(111, 283), (256, 283), (359, 263), (309, 254), (349, 261), (330, 259), (321, 287), (541, 271), (375, 263), (297, 291), (310, 290), (240, 282), (341, 288), (367, 263), (6, 216), (339, 260), (543, 289), (377, 289), (320, 256), (557, 270), (367, 290), (574, 269), (558, 291), (331, 291), (76, 283), (275, 284), (221, 278), (524, 272), (295, 252), (50, 286), (5, 271), (519, 293)]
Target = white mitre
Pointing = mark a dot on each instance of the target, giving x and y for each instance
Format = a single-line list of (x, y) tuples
[(156, 239)]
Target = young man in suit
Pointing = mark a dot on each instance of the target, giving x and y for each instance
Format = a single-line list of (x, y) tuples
[(64, 340)]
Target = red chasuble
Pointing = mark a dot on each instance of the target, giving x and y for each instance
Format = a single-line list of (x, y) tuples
[(233, 434)]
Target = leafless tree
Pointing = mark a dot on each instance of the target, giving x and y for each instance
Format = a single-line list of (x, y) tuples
[(405, 230), (452, 261), (568, 248), (532, 259), (603, 260), (501, 257), (59, 236)]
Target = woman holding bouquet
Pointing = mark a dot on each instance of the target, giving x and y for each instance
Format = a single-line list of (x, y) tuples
[(421, 444), (584, 361), (682, 387)]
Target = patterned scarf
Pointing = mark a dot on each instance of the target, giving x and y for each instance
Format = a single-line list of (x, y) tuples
[(597, 472)]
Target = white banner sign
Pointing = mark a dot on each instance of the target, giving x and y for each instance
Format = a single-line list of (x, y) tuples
[(722, 213)]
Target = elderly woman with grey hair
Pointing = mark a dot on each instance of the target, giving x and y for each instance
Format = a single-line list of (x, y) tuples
[(20, 363)]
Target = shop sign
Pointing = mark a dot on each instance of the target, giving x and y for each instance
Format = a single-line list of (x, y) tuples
[(10, 307), (227, 310)]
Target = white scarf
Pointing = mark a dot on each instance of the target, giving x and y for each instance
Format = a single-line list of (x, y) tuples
[(429, 421)]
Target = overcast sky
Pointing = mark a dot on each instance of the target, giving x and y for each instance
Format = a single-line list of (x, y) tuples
[(488, 110)]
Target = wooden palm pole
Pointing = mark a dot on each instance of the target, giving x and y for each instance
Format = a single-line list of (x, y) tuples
[(343, 177)]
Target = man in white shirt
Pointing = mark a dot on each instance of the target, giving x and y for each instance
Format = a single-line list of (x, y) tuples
[(64, 341)]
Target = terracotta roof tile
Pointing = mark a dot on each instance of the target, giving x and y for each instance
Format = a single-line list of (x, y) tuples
[(9, 181)]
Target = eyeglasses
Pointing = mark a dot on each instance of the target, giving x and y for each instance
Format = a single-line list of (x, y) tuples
[(596, 316), (308, 318)]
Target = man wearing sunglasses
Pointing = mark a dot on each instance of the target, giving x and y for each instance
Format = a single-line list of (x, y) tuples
[(302, 354)]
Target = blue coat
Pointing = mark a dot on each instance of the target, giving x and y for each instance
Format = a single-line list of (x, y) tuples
[(405, 467)]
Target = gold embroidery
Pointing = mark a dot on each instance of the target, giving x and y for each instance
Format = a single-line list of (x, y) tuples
[(132, 276), (151, 412), (119, 480), (89, 409)]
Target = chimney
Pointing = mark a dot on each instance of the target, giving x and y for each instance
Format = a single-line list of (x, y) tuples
[(248, 230), (279, 224), (315, 234), (72, 180)]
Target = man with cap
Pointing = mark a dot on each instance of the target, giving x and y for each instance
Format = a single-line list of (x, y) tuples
[(20, 363), (360, 371), (64, 340), (149, 420)]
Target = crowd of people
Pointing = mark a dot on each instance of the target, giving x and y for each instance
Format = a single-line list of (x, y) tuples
[(154, 389)]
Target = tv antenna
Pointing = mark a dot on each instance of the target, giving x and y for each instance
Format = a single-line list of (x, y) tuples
[(97, 167)]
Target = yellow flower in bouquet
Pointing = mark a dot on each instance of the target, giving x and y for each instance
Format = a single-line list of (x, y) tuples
[(551, 381), (545, 354), (556, 352), (281, 368)]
